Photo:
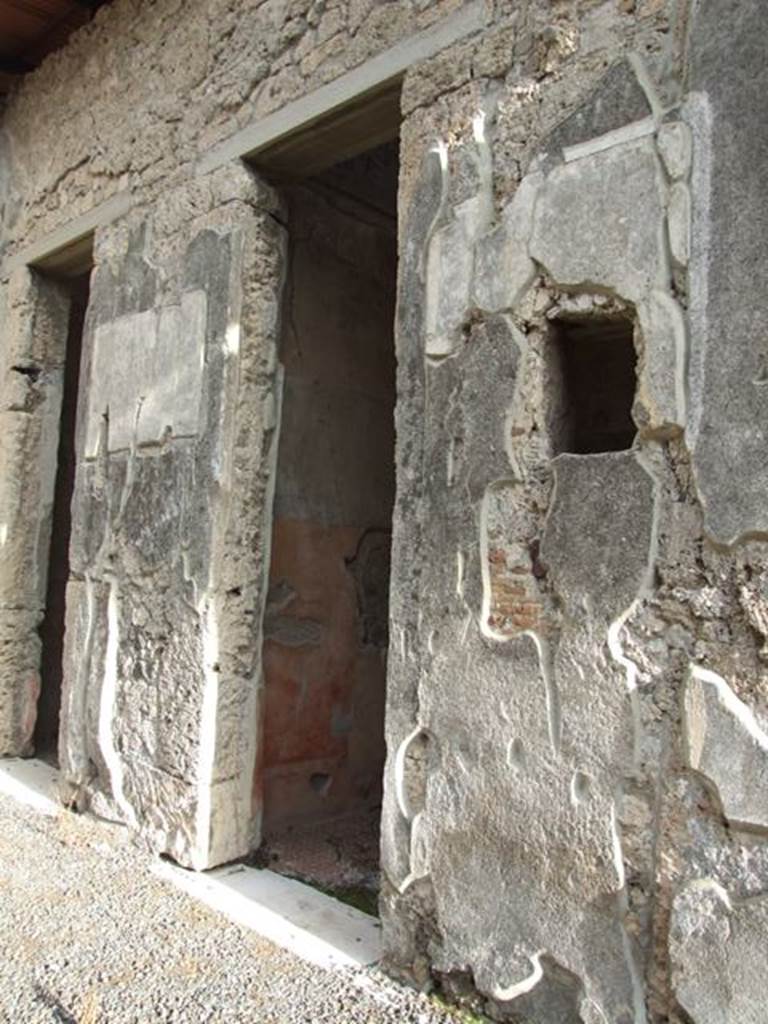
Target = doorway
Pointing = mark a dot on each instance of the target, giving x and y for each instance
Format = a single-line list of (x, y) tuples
[(326, 621), (76, 289)]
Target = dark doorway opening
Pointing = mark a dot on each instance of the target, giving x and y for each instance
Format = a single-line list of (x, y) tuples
[(326, 624), (52, 627)]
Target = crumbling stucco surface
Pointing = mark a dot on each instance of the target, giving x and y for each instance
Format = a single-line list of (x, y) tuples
[(158, 85), (577, 695), (568, 603), (34, 341), (160, 707)]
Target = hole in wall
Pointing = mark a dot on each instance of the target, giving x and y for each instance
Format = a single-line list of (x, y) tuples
[(581, 788), (415, 771), (320, 782), (516, 753), (593, 365)]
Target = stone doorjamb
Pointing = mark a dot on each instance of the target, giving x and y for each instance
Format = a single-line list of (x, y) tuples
[(33, 337)]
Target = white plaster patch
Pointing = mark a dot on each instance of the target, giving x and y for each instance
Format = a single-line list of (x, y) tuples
[(503, 269), (679, 223), (294, 916), (675, 144), (153, 361), (232, 339)]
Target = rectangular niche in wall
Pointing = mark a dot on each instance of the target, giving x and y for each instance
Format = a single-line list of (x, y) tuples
[(594, 377)]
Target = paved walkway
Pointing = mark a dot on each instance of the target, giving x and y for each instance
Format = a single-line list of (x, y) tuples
[(89, 935)]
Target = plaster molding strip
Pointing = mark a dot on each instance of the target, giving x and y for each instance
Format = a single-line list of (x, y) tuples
[(628, 133), (44, 252), (368, 77), (292, 914)]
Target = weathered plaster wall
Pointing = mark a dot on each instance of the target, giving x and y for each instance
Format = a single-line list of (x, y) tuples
[(34, 331), (174, 493), (577, 709), (576, 691), (326, 628), (163, 611)]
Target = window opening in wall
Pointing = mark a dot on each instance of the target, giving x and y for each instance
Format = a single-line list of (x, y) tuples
[(326, 623), (52, 628), (594, 364)]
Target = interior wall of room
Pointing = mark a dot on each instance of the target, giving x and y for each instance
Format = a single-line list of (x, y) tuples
[(327, 615)]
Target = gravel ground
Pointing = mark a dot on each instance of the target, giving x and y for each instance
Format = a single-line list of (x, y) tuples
[(88, 936)]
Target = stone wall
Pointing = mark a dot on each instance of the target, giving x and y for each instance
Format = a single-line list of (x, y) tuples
[(179, 394), (576, 705), (139, 94), (163, 611), (34, 331), (577, 700)]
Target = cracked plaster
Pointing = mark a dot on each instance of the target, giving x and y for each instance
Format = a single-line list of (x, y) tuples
[(543, 820)]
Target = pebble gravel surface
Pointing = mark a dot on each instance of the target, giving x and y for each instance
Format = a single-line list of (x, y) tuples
[(88, 935)]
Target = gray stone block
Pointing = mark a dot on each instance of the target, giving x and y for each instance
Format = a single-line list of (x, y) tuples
[(727, 745), (503, 270), (617, 100), (597, 538), (146, 375), (598, 222), (718, 949), (729, 317)]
